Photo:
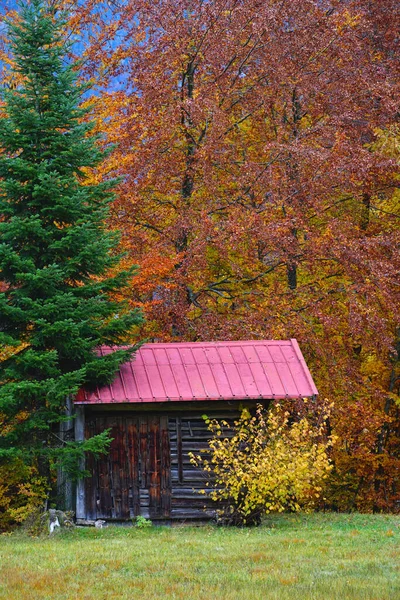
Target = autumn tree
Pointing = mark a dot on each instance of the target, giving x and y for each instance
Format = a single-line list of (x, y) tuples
[(58, 263)]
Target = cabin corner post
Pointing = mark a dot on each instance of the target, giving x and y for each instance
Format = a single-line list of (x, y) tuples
[(80, 486)]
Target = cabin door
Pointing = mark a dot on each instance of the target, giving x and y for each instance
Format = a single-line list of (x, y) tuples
[(135, 477)]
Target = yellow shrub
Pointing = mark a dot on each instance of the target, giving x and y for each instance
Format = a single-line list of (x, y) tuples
[(266, 463), (22, 492)]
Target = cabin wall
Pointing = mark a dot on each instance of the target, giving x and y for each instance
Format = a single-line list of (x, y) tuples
[(148, 471), (134, 478), (190, 494)]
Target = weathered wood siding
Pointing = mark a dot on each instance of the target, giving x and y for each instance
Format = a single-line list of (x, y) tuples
[(190, 495), (148, 470), (134, 478)]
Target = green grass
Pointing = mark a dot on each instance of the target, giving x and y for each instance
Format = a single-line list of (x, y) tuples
[(302, 557)]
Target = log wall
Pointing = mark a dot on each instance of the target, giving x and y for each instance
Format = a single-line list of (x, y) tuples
[(148, 470)]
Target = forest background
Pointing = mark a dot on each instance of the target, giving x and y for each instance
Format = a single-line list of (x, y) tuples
[(257, 144)]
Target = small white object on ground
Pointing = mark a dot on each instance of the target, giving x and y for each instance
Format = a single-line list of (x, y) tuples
[(53, 524), (99, 524)]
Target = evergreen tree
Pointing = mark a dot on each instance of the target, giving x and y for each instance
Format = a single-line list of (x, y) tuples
[(56, 253)]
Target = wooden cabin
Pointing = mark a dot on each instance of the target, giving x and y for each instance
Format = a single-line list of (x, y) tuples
[(154, 409)]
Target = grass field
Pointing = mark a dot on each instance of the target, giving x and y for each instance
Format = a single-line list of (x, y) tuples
[(323, 556)]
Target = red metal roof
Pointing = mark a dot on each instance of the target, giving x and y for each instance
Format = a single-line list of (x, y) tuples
[(160, 372)]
